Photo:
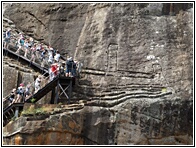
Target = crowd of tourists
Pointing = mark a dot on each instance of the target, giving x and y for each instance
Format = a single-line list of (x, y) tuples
[(47, 56)]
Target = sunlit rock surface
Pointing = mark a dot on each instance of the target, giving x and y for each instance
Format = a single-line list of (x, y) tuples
[(137, 71)]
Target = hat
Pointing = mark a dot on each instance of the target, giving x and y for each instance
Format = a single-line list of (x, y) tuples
[(21, 84)]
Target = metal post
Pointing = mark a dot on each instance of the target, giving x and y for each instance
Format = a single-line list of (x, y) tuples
[(70, 89), (53, 96), (30, 63), (16, 112), (57, 93), (18, 57), (5, 52)]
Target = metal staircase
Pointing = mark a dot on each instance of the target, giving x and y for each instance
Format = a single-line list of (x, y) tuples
[(60, 86), (12, 112), (43, 91), (24, 60)]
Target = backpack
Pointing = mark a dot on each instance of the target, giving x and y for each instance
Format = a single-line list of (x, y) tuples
[(20, 91), (21, 41)]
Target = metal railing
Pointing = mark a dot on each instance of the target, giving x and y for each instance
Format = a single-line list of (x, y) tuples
[(5, 100)]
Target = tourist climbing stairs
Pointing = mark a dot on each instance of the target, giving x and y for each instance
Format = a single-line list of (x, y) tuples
[(22, 59), (13, 111), (60, 86), (43, 91)]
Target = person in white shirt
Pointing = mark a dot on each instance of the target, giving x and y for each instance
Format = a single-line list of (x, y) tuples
[(26, 46), (57, 56), (7, 38), (33, 53), (50, 59), (38, 83), (20, 44)]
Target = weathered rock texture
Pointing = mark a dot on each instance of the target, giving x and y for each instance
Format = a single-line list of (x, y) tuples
[(47, 128), (15, 73), (141, 122), (137, 75)]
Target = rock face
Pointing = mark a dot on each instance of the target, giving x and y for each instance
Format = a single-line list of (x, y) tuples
[(137, 71), (143, 122), (61, 129), (14, 74)]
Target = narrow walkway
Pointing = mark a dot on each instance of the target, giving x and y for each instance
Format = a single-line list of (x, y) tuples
[(59, 85), (24, 60)]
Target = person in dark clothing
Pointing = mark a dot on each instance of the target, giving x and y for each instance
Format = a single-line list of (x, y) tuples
[(74, 69), (62, 69), (69, 67), (7, 38), (27, 91), (43, 54), (43, 57), (20, 94), (12, 95)]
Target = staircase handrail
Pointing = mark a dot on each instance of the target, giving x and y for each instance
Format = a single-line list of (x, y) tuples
[(30, 85), (32, 96)]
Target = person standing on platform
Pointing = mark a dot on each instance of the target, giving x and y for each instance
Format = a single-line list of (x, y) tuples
[(7, 38)]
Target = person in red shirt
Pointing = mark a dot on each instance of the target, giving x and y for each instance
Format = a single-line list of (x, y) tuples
[(54, 69)]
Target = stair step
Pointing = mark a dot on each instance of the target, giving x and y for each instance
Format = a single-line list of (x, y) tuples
[(9, 111)]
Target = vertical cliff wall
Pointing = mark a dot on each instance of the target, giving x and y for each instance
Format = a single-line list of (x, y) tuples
[(138, 73), (120, 39), (14, 74)]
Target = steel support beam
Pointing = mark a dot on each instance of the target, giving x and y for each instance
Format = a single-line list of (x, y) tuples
[(57, 93), (16, 111), (64, 90), (53, 96)]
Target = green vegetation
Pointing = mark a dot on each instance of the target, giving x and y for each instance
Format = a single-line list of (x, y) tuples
[(32, 111), (33, 100)]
